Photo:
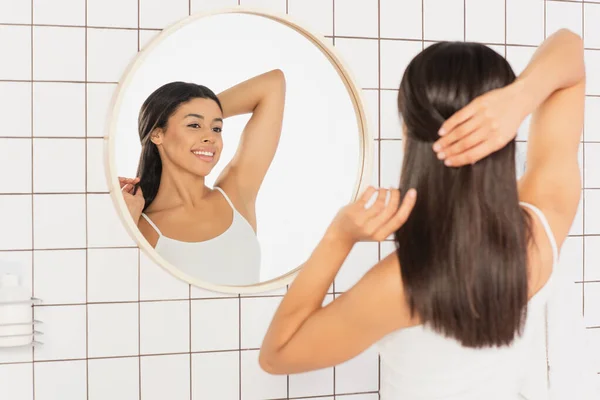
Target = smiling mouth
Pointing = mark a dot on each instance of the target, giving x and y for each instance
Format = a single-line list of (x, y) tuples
[(204, 155)]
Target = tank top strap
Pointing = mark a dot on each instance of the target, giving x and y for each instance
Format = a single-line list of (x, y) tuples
[(226, 197), (152, 224), (547, 228)]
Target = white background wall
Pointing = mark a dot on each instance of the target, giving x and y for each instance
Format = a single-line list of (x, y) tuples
[(118, 327)]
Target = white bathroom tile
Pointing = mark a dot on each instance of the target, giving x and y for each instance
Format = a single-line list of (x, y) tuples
[(375, 164), (314, 383), (64, 380), (592, 119), (577, 226), (362, 258), (99, 98), (360, 56), (216, 376), (215, 324), (561, 14), (591, 35), (592, 258), (59, 221), (592, 165), (401, 19), (360, 374), (113, 330), (520, 158), (276, 6), (356, 18), (391, 121), (109, 52), (386, 248), (257, 314), (96, 176), (485, 21), (592, 304), (146, 36), (59, 109), (200, 293), (69, 43), (59, 12), (165, 377), (15, 108), (114, 379), (15, 12), (164, 327), (15, 162), (64, 332), (592, 211), (317, 15), (257, 384), (518, 57), (15, 214), (58, 166), (104, 225), (371, 101), (361, 396), (15, 45), (523, 132), (571, 258), (592, 65), (395, 57), (112, 275), (525, 22), (60, 276), (391, 162), (199, 6), (159, 14), (17, 380), (112, 13), (157, 284), (444, 19)]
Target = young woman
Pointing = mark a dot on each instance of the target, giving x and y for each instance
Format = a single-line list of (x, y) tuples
[(454, 309), (207, 233)]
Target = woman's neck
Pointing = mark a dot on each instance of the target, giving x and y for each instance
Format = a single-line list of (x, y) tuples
[(179, 188)]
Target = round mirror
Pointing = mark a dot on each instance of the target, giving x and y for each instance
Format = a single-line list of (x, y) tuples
[(234, 139)]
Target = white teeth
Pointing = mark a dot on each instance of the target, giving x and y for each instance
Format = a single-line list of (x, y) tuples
[(204, 153)]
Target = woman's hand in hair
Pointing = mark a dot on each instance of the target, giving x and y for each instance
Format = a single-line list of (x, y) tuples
[(368, 220), (482, 127), (135, 202)]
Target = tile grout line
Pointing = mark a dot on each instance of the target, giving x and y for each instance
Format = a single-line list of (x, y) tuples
[(32, 206), (378, 151), (139, 307), (333, 284), (240, 346)]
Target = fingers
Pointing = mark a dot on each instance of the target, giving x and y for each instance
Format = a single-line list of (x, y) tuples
[(378, 205), (462, 146), (124, 181), (457, 135), (458, 118), (472, 155), (399, 218), (386, 212), (366, 196)]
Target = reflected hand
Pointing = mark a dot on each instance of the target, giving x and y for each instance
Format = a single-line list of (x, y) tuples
[(482, 127), (360, 221), (135, 202)]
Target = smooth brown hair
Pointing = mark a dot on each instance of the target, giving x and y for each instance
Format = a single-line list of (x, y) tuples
[(463, 250)]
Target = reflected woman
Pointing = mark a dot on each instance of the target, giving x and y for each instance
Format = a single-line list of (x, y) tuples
[(209, 234)]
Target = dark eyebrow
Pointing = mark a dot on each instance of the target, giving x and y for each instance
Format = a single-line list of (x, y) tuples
[(202, 117)]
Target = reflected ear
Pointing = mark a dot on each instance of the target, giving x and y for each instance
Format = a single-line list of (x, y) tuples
[(157, 136)]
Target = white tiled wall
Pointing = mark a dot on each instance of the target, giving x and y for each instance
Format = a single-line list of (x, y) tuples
[(117, 326)]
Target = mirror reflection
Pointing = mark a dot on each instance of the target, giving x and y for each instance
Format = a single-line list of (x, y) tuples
[(235, 138)]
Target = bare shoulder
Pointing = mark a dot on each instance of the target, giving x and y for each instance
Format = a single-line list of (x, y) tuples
[(148, 231)]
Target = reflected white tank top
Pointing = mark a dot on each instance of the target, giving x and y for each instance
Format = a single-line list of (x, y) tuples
[(231, 258), (420, 364)]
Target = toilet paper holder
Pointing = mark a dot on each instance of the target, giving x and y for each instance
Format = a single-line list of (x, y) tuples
[(20, 334)]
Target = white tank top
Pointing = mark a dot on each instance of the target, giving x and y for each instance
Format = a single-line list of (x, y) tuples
[(231, 258), (417, 363)]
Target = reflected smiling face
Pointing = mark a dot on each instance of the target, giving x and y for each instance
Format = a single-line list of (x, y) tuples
[(192, 138)]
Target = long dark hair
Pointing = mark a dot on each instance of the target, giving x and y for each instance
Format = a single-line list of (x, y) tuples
[(463, 250), (155, 113)]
